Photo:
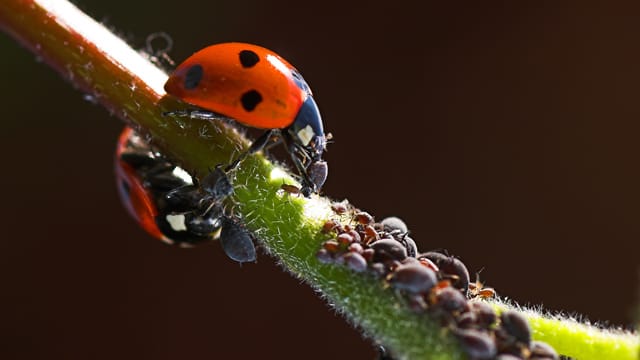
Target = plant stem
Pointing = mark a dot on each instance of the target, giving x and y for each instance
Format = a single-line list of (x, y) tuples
[(127, 84), (575, 339)]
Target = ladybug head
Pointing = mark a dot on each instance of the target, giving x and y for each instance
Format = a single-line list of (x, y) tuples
[(307, 131), (308, 137)]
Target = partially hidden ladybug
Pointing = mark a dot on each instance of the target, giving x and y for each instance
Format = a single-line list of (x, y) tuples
[(255, 87), (164, 200), (143, 178)]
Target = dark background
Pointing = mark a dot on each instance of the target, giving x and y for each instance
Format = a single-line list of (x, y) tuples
[(505, 134)]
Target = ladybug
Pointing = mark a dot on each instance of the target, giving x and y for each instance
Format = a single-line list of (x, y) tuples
[(255, 87), (143, 178), (164, 200)]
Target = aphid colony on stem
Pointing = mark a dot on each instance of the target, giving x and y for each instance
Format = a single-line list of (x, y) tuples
[(431, 283)]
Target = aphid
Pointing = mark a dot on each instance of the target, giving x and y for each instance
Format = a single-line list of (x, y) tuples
[(236, 241), (450, 300), (477, 289), (331, 245), (485, 314), (324, 256), (409, 244), (356, 247), (388, 249), (355, 261), (290, 189), (476, 344), (450, 268), (516, 326), (466, 320), (542, 351), (339, 208), (370, 234), (363, 218), (393, 223), (413, 278), (316, 173), (345, 239), (331, 225), (354, 235), (368, 254)]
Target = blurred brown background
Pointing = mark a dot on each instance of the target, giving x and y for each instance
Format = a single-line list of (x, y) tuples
[(505, 134)]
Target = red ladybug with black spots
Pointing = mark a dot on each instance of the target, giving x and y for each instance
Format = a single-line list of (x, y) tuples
[(166, 203), (144, 178), (255, 87)]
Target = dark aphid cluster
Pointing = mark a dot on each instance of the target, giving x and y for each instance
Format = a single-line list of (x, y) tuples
[(432, 283), (172, 206)]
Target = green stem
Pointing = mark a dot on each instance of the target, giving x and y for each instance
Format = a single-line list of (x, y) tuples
[(575, 339), (118, 77)]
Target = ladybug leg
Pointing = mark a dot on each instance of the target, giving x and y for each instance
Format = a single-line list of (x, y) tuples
[(196, 114), (308, 186), (256, 146), (276, 140)]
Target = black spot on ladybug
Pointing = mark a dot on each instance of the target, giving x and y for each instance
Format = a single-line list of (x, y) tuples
[(250, 100), (193, 77), (248, 58)]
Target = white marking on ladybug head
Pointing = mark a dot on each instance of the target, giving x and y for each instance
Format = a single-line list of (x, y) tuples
[(306, 135), (177, 222), (181, 174)]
